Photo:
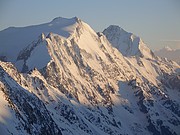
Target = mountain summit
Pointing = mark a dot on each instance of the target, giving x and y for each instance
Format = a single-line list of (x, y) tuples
[(127, 43), (64, 78), (21, 37)]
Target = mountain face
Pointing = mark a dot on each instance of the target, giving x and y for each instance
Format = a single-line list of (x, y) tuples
[(169, 53), (71, 80), (22, 112), (18, 38), (127, 43)]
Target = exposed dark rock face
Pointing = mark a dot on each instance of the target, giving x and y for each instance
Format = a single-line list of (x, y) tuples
[(31, 111)]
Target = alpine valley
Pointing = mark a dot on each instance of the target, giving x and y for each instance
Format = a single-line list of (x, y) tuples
[(64, 78)]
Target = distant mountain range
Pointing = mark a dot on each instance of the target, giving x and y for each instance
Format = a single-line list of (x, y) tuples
[(171, 54), (64, 78)]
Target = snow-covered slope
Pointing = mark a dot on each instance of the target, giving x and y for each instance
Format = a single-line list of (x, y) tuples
[(86, 86), (127, 43), (169, 53), (14, 39), (21, 111)]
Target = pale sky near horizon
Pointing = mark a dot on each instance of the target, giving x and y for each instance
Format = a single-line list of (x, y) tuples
[(157, 22)]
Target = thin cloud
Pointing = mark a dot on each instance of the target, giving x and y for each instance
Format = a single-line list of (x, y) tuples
[(170, 40), (174, 44)]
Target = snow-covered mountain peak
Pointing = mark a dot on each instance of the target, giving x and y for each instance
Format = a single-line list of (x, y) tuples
[(115, 29), (20, 37), (61, 19), (167, 48), (66, 24), (127, 43), (46, 48)]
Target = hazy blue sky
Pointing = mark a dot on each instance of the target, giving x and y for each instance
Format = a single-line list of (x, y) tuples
[(157, 22)]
